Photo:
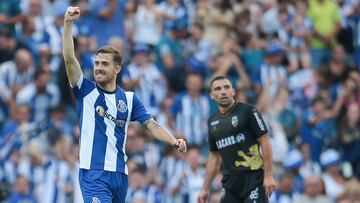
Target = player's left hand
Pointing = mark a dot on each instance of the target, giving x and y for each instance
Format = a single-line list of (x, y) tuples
[(269, 185), (181, 145)]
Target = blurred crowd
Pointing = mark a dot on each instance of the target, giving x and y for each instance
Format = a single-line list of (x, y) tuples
[(298, 61)]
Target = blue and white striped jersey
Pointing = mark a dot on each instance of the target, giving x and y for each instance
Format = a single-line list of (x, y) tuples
[(104, 118)]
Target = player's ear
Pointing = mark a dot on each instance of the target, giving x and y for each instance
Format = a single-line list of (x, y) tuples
[(118, 69), (212, 95), (233, 92)]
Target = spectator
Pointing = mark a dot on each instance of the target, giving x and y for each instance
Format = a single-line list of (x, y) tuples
[(106, 14), (10, 14), (41, 95), (227, 63), (326, 19), (21, 192), (313, 191), (14, 75), (9, 45), (18, 130), (309, 167), (137, 182), (172, 164), (174, 14), (349, 136), (141, 190), (333, 180), (55, 30), (38, 27), (301, 29), (38, 40), (148, 24), (251, 54), (198, 50), (34, 9), (145, 79), (317, 130), (284, 193), (292, 164), (271, 69), (190, 111), (57, 186), (352, 84), (58, 119), (145, 155), (270, 106), (169, 59), (217, 18), (269, 23), (188, 183), (33, 166)]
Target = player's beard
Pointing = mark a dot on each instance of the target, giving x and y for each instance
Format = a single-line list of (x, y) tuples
[(102, 78), (225, 102)]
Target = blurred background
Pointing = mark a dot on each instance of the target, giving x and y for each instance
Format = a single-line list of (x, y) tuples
[(297, 61)]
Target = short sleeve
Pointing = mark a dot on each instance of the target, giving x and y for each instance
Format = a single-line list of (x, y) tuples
[(83, 87), (139, 113), (257, 123), (212, 142)]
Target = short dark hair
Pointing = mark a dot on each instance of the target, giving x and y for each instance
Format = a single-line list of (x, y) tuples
[(220, 77), (117, 57), (39, 72)]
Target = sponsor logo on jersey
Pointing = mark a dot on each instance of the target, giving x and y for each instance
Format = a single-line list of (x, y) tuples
[(234, 121), (231, 140), (122, 106), (214, 123), (259, 121), (101, 112)]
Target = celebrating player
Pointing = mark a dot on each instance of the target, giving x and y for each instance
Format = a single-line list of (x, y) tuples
[(105, 111)]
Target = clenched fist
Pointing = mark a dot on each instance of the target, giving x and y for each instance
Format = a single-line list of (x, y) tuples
[(72, 13)]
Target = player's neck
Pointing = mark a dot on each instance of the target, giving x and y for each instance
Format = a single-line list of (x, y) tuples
[(108, 87), (225, 109)]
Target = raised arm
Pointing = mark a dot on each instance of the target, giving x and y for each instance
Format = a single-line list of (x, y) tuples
[(73, 69), (164, 135)]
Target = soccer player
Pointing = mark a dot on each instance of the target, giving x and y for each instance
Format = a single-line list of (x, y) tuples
[(105, 111), (236, 134)]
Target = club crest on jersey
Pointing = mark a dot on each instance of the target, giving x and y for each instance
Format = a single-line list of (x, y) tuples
[(122, 106), (95, 200), (234, 121)]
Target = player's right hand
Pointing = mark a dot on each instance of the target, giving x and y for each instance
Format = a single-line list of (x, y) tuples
[(72, 13), (203, 196)]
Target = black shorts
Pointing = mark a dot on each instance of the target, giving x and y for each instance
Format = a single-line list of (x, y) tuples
[(257, 195), (246, 187)]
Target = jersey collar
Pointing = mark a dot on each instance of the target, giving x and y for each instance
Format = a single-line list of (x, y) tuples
[(228, 111)]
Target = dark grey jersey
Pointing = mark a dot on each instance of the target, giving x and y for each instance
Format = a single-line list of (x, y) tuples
[(234, 135)]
